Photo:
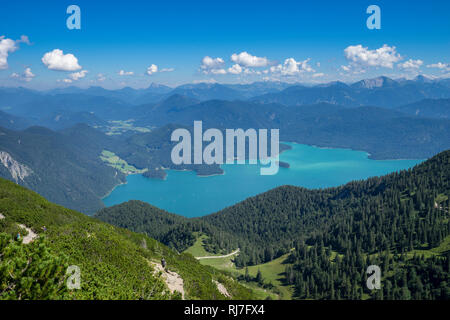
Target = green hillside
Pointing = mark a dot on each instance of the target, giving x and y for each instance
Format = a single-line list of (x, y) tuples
[(115, 263), (400, 221)]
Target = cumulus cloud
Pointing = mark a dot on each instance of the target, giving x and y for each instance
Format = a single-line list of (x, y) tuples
[(411, 64), (247, 60), (125, 73), (242, 64), (363, 57), (212, 65), (78, 75), (101, 77), (57, 60), (440, 65), (249, 71), (7, 46), (152, 69), (155, 69), (26, 76), (291, 67), (317, 75)]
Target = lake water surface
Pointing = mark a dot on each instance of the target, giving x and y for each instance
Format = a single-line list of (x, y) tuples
[(185, 193)]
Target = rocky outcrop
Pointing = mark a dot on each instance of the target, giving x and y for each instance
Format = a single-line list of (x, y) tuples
[(222, 289), (17, 170), (172, 279)]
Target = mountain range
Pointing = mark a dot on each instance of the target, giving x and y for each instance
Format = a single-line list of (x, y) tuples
[(382, 92), (73, 146), (65, 165)]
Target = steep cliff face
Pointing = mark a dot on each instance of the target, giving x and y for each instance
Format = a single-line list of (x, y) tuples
[(17, 170)]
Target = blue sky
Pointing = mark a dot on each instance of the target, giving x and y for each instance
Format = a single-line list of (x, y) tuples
[(297, 41)]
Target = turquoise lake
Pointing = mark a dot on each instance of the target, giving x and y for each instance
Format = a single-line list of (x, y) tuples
[(185, 193)]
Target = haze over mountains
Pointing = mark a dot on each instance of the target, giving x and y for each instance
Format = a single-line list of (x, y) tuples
[(381, 91)]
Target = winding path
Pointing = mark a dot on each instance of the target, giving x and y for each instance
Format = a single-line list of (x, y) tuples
[(218, 257)]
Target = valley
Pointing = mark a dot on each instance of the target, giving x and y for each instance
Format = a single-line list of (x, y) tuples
[(236, 159), (285, 236), (307, 232)]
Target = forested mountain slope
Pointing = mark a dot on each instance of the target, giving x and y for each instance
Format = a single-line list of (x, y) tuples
[(66, 166), (383, 132), (61, 167), (115, 263), (401, 212), (430, 108)]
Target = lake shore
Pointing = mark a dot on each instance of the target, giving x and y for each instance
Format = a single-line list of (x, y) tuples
[(310, 167)]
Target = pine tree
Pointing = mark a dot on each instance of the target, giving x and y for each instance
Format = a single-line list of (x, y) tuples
[(30, 271)]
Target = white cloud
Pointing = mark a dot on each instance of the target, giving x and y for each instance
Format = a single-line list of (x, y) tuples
[(317, 75), (57, 60), (125, 73), (211, 63), (249, 71), (411, 64), (27, 75), (101, 77), (247, 60), (345, 68), (363, 57), (218, 71), (24, 39), (217, 65), (440, 65), (64, 80), (152, 69), (204, 81), (78, 75), (6, 47), (291, 67)]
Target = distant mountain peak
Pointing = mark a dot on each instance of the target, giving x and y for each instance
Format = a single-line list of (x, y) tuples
[(378, 82), (424, 78), (155, 85), (331, 84)]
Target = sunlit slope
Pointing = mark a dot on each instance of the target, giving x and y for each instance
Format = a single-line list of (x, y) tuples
[(115, 263)]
